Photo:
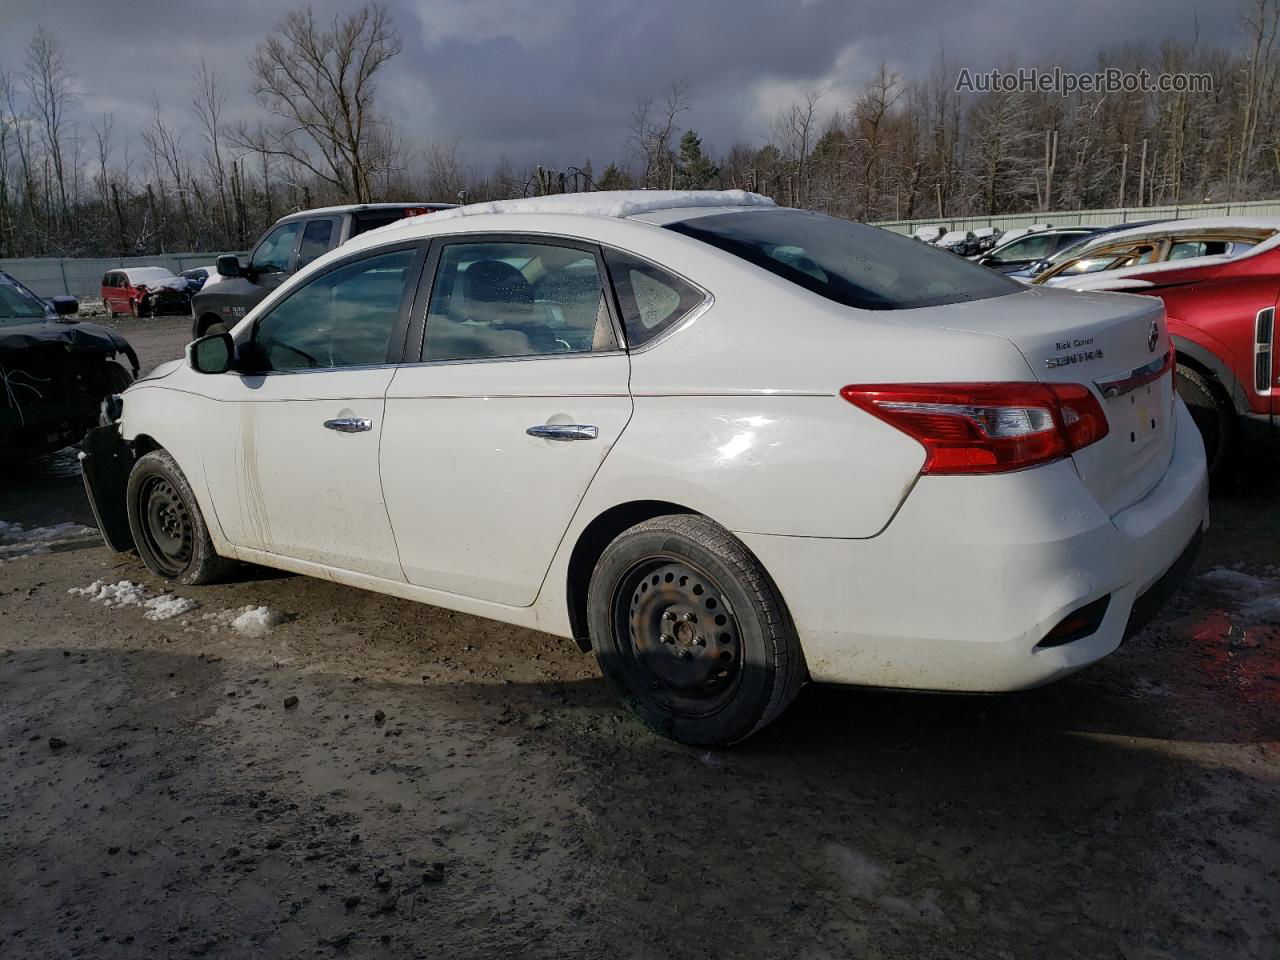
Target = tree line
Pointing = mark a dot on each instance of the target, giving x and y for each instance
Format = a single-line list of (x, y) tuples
[(906, 147)]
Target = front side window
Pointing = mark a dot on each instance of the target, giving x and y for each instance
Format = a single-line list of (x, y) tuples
[(653, 300), (509, 299), (850, 263), (342, 318), (17, 303), (315, 241), (275, 253)]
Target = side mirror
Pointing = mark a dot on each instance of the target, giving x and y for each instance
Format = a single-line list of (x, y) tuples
[(211, 354), (228, 265), (65, 306), (986, 261)]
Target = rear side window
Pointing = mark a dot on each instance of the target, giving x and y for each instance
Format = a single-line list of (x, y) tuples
[(850, 263), (652, 299), (513, 299), (316, 238)]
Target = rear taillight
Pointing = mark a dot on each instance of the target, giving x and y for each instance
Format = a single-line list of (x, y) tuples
[(987, 427)]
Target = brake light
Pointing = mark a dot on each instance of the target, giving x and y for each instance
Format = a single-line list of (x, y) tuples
[(987, 427), (414, 212)]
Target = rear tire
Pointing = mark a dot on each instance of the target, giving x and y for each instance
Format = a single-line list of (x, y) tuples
[(1212, 412), (691, 632), (168, 529)]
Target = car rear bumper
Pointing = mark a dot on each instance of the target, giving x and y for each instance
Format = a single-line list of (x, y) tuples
[(973, 573)]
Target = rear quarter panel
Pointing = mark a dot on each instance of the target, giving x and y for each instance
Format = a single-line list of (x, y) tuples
[(1220, 316)]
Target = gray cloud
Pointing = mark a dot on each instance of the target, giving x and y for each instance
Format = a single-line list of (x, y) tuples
[(555, 81)]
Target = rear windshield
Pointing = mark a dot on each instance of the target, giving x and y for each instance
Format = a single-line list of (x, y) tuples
[(850, 263)]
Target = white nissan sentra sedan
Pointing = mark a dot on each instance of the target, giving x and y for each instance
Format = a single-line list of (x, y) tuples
[(727, 446)]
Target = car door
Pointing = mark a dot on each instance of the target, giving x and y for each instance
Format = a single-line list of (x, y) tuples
[(492, 439), (292, 458)]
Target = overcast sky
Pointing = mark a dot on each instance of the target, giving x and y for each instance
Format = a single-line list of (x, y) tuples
[(554, 80)]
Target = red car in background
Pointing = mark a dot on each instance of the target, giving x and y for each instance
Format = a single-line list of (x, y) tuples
[(1222, 318), (144, 292)]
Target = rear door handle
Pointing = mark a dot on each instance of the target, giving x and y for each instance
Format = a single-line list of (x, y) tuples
[(349, 424), (564, 431)]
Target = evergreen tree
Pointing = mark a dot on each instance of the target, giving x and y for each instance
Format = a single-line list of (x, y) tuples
[(694, 169), (612, 178)]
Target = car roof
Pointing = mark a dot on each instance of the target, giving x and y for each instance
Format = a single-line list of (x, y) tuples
[(656, 207), (360, 208), (137, 272)]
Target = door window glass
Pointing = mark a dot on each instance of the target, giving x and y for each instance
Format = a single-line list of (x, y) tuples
[(653, 300), (315, 241), (275, 253), (342, 318), (492, 300)]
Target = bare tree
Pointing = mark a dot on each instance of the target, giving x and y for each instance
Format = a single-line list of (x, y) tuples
[(794, 131), (652, 132), (320, 85), (209, 102), (51, 92)]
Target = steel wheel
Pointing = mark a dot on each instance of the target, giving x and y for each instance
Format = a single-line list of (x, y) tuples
[(679, 635), (166, 525)]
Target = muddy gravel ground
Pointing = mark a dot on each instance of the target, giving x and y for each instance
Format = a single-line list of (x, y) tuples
[(377, 778)]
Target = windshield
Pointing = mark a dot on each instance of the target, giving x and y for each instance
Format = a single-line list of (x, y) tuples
[(18, 304), (850, 263)]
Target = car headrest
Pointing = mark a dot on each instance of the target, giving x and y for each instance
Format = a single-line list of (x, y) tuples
[(493, 281)]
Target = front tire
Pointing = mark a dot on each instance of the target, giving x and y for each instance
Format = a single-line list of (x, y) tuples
[(1212, 413), (168, 529), (691, 632)]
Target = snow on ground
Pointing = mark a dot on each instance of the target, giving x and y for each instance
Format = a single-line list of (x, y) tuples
[(249, 621), (126, 593), (19, 541), (1259, 597)]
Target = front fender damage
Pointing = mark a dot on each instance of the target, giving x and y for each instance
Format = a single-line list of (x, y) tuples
[(105, 462)]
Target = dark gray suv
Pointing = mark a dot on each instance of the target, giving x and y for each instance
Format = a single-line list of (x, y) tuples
[(291, 243)]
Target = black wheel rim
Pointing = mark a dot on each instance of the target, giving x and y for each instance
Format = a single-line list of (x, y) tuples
[(680, 640), (166, 526)]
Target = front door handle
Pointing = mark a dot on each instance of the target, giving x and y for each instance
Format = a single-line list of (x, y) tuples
[(564, 431), (349, 424)]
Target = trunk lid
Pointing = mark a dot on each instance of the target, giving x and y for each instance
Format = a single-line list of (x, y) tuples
[(1108, 342)]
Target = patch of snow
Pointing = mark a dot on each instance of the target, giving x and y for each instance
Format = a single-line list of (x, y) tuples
[(248, 621), (608, 203), (19, 541), (168, 606), (1259, 597), (126, 593)]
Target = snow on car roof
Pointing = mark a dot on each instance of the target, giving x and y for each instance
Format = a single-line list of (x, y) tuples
[(136, 274), (611, 203)]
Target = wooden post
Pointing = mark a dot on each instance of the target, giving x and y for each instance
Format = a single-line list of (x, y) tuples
[(1142, 173), (1124, 172)]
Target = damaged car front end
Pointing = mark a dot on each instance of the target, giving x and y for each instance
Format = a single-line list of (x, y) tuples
[(54, 373)]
